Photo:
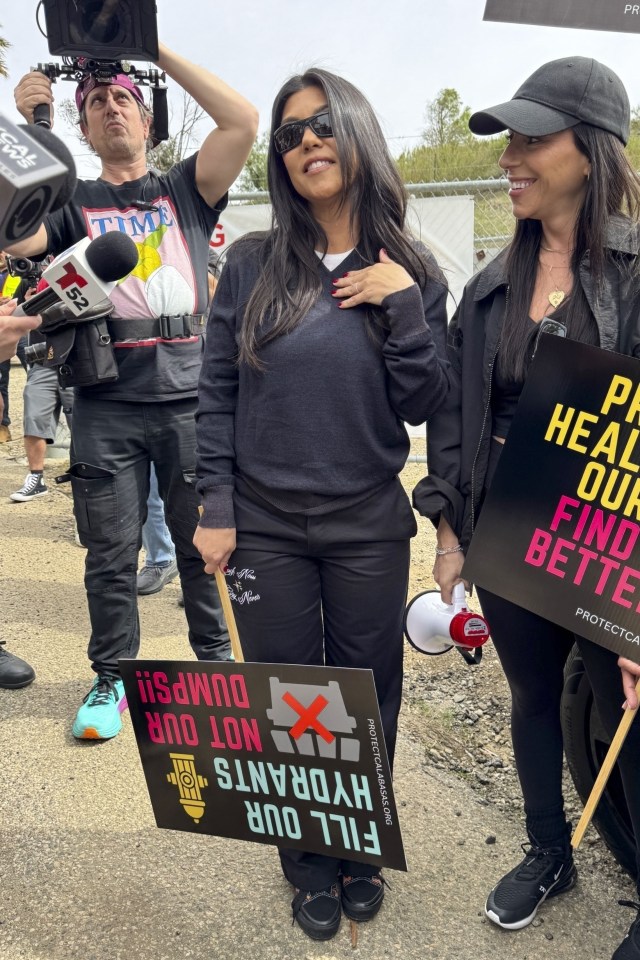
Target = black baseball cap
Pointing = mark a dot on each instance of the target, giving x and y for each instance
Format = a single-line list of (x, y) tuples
[(561, 94)]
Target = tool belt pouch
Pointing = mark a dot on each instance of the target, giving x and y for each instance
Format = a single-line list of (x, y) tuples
[(90, 358), (80, 348)]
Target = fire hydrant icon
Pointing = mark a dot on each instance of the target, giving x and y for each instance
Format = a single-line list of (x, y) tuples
[(188, 782)]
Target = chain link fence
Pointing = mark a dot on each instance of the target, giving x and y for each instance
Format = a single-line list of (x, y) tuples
[(493, 219)]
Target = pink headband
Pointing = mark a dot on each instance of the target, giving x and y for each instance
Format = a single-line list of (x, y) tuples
[(121, 80)]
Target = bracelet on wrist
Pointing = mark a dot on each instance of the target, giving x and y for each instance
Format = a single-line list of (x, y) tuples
[(443, 551)]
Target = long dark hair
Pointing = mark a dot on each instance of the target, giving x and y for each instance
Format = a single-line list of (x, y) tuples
[(372, 191), (613, 187)]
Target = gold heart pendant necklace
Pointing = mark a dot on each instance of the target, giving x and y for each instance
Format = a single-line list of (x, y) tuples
[(556, 296)]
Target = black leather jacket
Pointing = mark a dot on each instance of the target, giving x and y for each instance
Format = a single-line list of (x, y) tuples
[(459, 435)]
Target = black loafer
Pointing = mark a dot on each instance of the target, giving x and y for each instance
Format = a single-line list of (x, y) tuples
[(362, 896), (318, 912)]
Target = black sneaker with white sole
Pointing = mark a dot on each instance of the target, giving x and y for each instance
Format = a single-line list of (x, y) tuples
[(32, 487), (544, 872)]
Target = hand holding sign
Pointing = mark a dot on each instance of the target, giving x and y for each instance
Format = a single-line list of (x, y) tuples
[(630, 682)]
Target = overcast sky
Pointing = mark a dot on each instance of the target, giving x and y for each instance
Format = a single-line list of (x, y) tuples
[(399, 52)]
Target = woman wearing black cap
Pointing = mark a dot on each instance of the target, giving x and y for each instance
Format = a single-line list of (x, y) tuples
[(573, 267)]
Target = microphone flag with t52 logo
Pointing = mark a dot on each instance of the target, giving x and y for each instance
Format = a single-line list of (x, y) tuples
[(83, 276), (75, 308)]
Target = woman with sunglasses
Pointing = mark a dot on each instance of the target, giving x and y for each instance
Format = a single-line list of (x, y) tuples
[(571, 269), (326, 335)]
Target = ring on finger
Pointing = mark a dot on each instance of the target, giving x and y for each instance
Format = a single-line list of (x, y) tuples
[(357, 288)]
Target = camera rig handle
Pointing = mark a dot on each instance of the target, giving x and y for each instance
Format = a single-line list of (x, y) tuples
[(78, 68), (42, 115)]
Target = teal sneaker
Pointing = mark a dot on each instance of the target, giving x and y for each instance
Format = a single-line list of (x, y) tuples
[(99, 717)]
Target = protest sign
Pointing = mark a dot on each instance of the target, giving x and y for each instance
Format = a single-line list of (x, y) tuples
[(586, 14), (274, 753), (559, 532)]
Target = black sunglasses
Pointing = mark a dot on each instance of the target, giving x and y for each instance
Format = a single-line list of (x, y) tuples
[(548, 325), (290, 135)]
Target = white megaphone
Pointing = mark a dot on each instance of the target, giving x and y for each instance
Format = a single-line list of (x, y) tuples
[(434, 627)]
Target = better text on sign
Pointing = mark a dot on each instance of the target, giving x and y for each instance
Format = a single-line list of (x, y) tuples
[(559, 532), (280, 754), (586, 14)]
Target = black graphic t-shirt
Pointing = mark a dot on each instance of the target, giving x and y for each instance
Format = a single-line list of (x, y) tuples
[(169, 278)]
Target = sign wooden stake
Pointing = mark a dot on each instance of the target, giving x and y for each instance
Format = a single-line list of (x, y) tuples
[(603, 776), (236, 646)]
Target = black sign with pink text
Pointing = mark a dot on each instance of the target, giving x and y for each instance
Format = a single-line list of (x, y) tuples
[(559, 532), (585, 14), (275, 753)]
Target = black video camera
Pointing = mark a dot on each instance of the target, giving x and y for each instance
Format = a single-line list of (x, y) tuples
[(93, 37), (25, 268)]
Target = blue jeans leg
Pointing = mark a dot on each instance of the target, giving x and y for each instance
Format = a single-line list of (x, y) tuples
[(156, 539)]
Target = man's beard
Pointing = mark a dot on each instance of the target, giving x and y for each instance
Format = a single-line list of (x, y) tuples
[(122, 147)]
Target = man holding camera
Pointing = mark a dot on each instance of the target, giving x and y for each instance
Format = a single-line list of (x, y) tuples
[(43, 401), (13, 328), (147, 414), (43, 398)]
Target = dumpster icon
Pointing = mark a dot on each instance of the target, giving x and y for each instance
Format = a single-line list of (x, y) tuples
[(312, 719)]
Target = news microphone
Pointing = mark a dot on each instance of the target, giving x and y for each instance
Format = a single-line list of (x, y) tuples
[(84, 275), (37, 176)]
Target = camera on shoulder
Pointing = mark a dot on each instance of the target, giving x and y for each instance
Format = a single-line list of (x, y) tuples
[(98, 38)]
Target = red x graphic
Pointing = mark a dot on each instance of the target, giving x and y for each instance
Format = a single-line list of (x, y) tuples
[(308, 717)]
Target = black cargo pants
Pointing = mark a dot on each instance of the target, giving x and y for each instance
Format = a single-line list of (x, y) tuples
[(112, 445)]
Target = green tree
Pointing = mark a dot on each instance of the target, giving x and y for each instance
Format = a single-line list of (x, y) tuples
[(476, 159), (4, 45), (254, 173), (447, 120), (184, 142)]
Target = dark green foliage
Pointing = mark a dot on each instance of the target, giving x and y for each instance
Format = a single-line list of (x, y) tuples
[(254, 172), (4, 45)]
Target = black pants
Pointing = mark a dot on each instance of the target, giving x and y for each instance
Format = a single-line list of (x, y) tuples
[(331, 590), (533, 652), (112, 445)]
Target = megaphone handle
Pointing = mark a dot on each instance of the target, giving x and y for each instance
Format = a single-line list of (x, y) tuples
[(458, 597)]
